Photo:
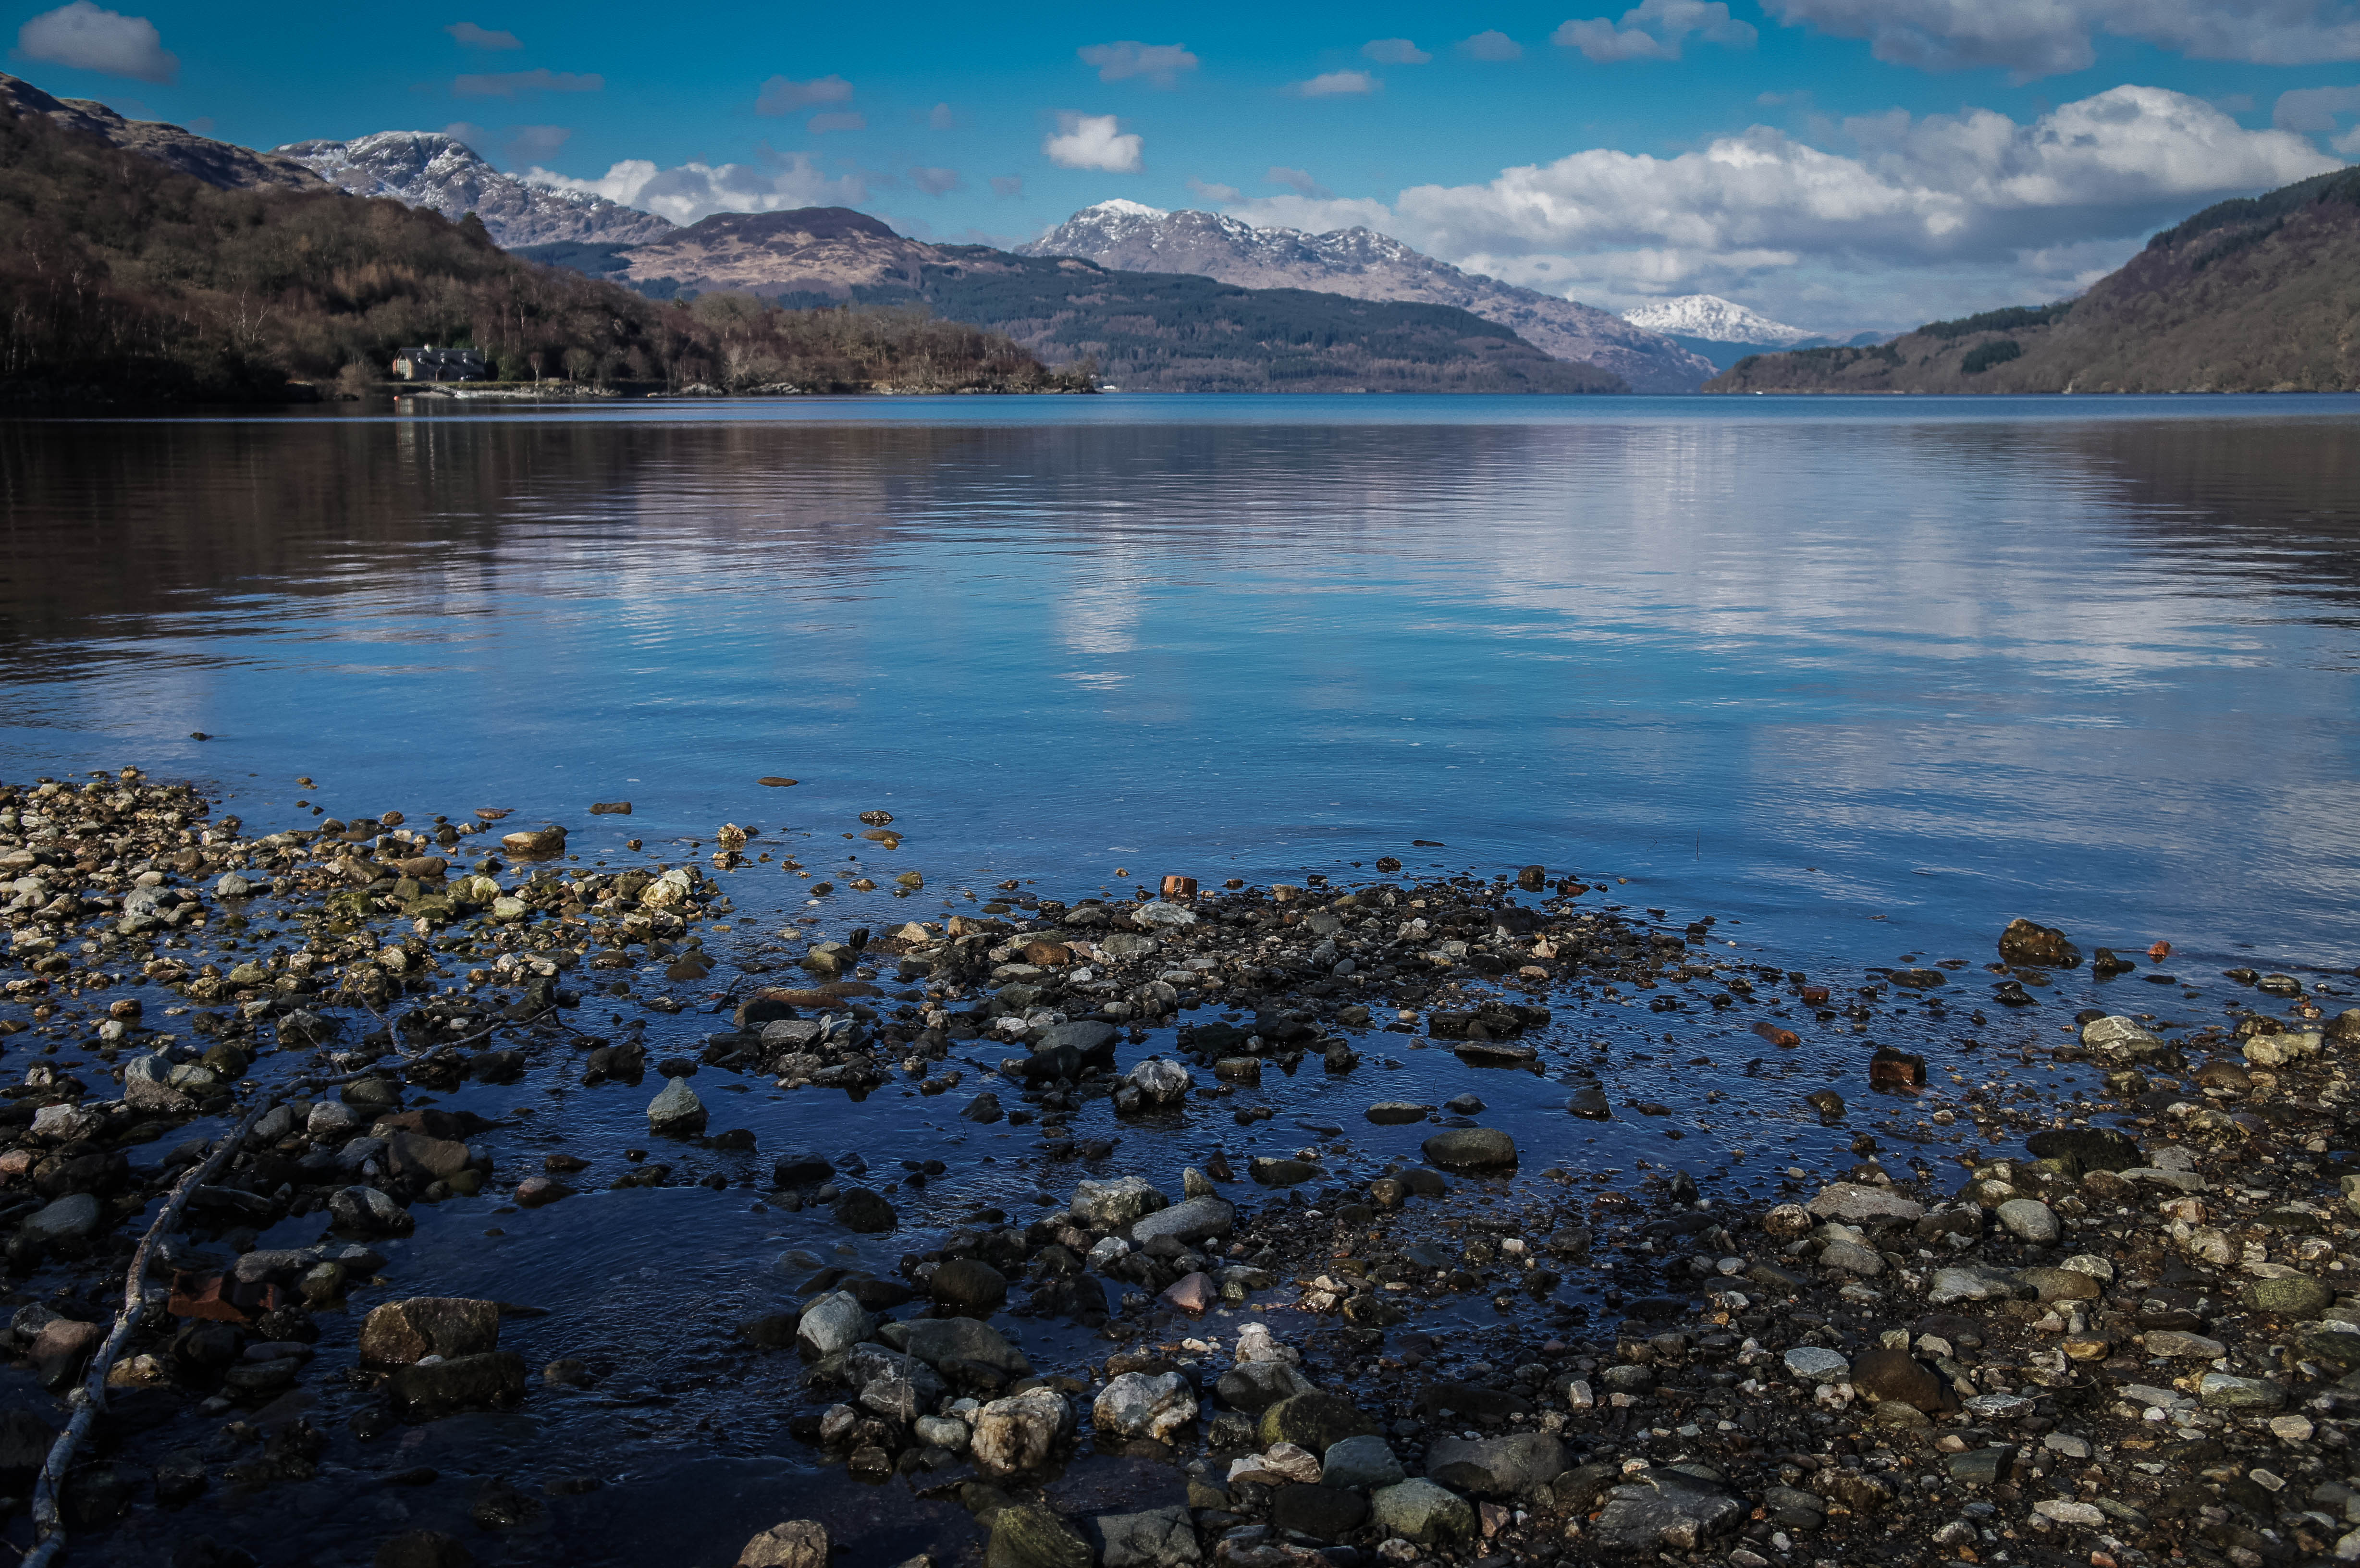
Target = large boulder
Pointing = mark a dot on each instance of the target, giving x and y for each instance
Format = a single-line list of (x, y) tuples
[(1027, 1535), (1019, 1434), (1856, 1203), (860, 1210), (70, 1218), (833, 1322), (494, 1380), (2036, 946), (1665, 1510), (1496, 1468), (1360, 1465), (400, 1333), (968, 1285), (797, 1543), (960, 1348), (1188, 1223), (1110, 1206), (1157, 1538), (677, 1112), (368, 1211), (1421, 1511), (1137, 1404), (1471, 1148), (1316, 1421)]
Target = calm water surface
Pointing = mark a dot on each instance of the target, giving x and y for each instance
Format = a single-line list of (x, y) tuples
[(1809, 662), (1861, 678)]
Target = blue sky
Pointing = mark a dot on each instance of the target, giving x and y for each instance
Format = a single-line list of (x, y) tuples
[(1836, 163)]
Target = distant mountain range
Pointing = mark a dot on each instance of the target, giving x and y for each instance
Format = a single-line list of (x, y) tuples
[(223, 164), (1361, 264), (1146, 332), (443, 174), (2261, 294)]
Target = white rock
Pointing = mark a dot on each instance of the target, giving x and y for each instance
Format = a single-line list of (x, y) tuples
[(1817, 1364), (2065, 1510), (1855, 1203), (2029, 1219), (1136, 1405), (1019, 1432), (832, 1323)]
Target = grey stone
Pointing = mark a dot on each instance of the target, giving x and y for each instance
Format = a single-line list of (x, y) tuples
[(2028, 1219), (1157, 1538), (1019, 1434), (1159, 1082), (2288, 1296), (1664, 1509), (1816, 1364), (1970, 1283), (147, 1085), (948, 1344), (1137, 1404), (2221, 1391), (1421, 1511), (677, 1112), (369, 1211), (1361, 1464), (493, 1381), (1852, 1257), (1854, 1203), (1110, 1206), (1496, 1468), (73, 1217), (797, 1543), (1470, 1149), (833, 1322), (1087, 1037), (860, 1210), (1196, 1220), (1254, 1386), (400, 1332)]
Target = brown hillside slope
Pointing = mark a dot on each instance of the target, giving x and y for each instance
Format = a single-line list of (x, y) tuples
[(2257, 295)]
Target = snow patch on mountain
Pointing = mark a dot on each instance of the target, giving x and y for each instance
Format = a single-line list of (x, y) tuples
[(1716, 319), (431, 169)]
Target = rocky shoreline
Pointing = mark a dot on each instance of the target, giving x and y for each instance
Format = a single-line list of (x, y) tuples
[(2093, 1307)]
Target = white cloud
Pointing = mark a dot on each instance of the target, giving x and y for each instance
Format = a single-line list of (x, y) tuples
[(941, 118), (2312, 110), (515, 83), (85, 38), (2042, 37), (1394, 51), (937, 182), (1093, 141), (694, 190), (1297, 180), (531, 143), (2348, 143), (1490, 44), (1223, 195), (1653, 30), (780, 95), (1161, 64), (1916, 218), (1338, 85), (473, 37)]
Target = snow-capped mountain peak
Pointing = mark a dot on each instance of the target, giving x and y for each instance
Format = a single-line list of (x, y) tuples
[(1365, 264), (429, 168), (1713, 319)]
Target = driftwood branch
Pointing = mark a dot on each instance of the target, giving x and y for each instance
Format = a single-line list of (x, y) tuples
[(90, 1398)]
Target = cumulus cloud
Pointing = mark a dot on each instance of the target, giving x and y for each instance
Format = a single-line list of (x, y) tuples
[(473, 37), (532, 143), (86, 37), (1338, 85), (1916, 216), (517, 84), (941, 118), (1297, 180), (1160, 64), (1490, 44), (2043, 38), (1654, 29), (1394, 51), (780, 95), (1008, 185), (694, 190), (1093, 141), (2312, 110), (937, 182)]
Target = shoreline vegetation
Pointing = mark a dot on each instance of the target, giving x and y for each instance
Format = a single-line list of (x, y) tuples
[(2102, 1301), (129, 282)]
